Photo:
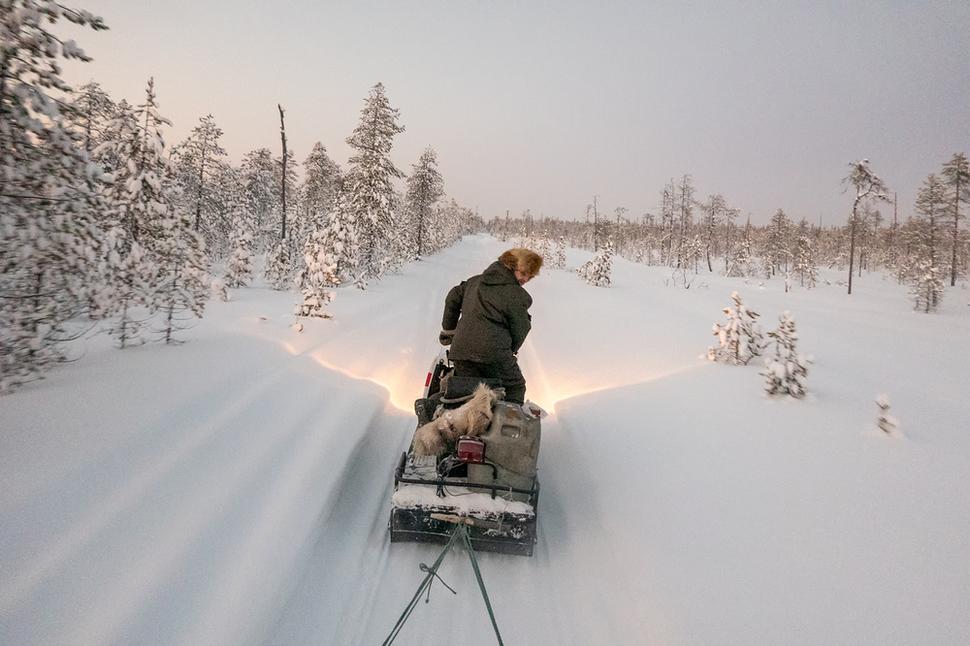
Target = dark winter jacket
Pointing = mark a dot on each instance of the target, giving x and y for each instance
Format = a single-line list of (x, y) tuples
[(494, 316)]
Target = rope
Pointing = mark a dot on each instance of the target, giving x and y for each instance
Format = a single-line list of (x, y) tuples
[(432, 573), (481, 584), (426, 583)]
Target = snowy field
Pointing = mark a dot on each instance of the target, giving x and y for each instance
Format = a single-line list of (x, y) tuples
[(235, 489)]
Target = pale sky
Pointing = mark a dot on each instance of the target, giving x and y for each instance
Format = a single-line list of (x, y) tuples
[(542, 105)]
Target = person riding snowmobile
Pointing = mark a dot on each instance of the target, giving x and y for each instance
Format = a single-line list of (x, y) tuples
[(486, 320)]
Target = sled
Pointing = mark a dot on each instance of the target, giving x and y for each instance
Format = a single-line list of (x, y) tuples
[(490, 481)]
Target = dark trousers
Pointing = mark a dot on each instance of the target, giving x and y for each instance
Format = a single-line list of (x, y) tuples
[(506, 369)]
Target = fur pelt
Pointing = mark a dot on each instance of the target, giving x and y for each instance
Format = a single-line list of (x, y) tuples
[(471, 418)]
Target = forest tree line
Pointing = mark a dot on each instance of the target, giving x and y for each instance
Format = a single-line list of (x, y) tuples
[(105, 226), (925, 250)]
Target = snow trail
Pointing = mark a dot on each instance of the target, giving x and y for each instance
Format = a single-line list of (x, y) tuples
[(236, 490)]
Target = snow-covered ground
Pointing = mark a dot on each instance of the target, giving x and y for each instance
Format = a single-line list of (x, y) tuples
[(235, 489)]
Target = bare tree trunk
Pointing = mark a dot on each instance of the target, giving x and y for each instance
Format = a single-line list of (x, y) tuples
[(283, 138), (852, 241), (198, 199), (956, 233)]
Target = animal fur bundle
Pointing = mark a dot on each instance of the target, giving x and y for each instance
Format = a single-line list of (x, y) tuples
[(471, 418)]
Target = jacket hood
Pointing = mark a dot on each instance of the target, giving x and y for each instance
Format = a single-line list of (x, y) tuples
[(498, 274)]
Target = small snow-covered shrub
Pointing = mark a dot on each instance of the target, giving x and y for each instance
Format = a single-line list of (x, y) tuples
[(785, 373), (558, 260), (886, 422), (740, 338), (219, 290), (598, 271)]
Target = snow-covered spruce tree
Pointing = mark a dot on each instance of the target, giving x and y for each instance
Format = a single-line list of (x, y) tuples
[(162, 228), (153, 262), (926, 274), (369, 180), (278, 267), (740, 338), (598, 271), (868, 188), (199, 162), (239, 267), (321, 181), (262, 196), (49, 240), (805, 258), (183, 274), (956, 177), (319, 275), (785, 373), (425, 188), (130, 285)]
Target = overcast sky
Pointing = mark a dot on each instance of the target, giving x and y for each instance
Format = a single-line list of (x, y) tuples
[(542, 105)]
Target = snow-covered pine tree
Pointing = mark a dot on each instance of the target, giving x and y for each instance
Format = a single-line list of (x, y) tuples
[(926, 276), (956, 177), (742, 263), (130, 284), (425, 188), (370, 178), (785, 373), (183, 274), (684, 204), (598, 271), (714, 212), (926, 284), (692, 250), (777, 249), (89, 113), (805, 259), (740, 338), (49, 239), (868, 188), (166, 231), (199, 162)]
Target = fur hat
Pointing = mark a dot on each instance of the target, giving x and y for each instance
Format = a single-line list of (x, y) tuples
[(524, 260)]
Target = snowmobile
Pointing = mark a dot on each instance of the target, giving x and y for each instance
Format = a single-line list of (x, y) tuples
[(489, 481)]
